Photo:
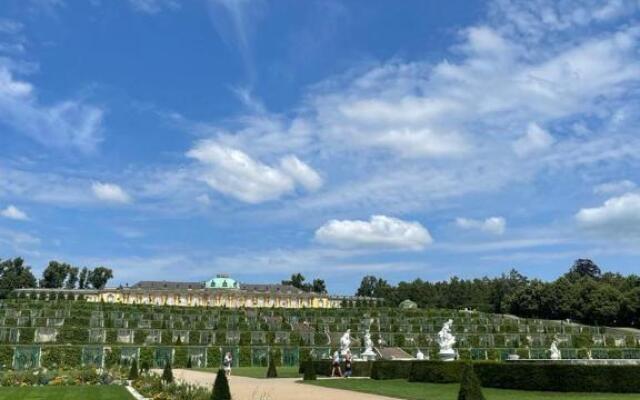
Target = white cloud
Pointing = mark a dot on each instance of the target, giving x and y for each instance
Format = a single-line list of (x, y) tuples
[(13, 212), (380, 231), (493, 225), (536, 139), (618, 217), (236, 174), (301, 172), (614, 187), (110, 192), (66, 124)]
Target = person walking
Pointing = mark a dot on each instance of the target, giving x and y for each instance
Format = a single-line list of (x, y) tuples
[(335, 365), (347, 366), (226, 363)]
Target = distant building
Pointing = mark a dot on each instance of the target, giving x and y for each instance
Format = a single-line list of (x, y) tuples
[(221, 291)]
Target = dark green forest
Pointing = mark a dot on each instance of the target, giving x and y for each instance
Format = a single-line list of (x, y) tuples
[(584, 294)]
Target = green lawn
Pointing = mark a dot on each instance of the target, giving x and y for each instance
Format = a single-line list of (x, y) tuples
[(259, 372), (111, 392), (402, 389)]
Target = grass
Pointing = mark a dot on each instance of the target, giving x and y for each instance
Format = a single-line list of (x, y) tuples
[(258, 372), (110, 392), (402, 389)]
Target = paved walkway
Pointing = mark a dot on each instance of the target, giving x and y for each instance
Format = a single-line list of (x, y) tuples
[(243, 388)]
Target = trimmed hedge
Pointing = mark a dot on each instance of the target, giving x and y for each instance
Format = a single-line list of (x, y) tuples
[(390, 369), (530, 376)]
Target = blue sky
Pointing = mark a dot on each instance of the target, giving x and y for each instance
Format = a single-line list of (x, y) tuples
[(176, 140)]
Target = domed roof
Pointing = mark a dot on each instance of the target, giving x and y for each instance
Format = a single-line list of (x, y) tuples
[(222, 282), (408, 304)]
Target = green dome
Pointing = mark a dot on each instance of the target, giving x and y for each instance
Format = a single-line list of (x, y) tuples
[(222, 282), (408, 304)]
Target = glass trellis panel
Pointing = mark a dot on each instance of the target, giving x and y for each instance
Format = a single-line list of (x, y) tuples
[(55, 322), (26, 357), (96, 323), (45, 335), (599, 354), (183, 335), (127, 354), (162, 355), (320, 353), (569, 354), (125, 336), (198, 356), (23, 321), (207, 338), (120, 323), (93, 356), (282, 337), (631, 353), (478, 354), (154, 336), (144, 324), (259, 356), (259, 338), (290, 356), (538, 354), (233, 337), (97, 335)]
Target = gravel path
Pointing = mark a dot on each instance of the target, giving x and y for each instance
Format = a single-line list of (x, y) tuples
[(243, 388)]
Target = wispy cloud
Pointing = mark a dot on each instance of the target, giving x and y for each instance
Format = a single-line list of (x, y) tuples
[(154, 6)]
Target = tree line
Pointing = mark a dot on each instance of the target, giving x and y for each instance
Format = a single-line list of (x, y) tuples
[(584, 294), (15, 274), (298, 281)]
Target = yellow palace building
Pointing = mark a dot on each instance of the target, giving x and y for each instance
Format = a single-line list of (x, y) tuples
[(221, 291)]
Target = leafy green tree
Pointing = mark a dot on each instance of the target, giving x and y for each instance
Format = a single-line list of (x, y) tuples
[(318, 286), (82, 280), (221, 387), (55, 275), (167, 373), (72, 278), (99, 277), (470, 388), (309, 371), (133, 371), (583, 267), (14, 274), (271, 368)]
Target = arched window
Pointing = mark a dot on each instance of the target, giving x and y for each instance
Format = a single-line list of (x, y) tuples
[(224, 284)]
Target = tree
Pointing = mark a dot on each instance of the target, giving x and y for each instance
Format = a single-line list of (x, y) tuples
[(367, 286), (470, 388), (221, 387), (189, 363), (309, 371), (72, 278), (99, 277), (318, 286), (15, 275), (133, 371), (271, 369), (82, 281), (584, 267), (55, 275), (167, 373)]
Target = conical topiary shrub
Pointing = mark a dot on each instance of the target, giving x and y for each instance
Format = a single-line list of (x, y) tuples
[(221, 387), (271, 369), (189, 365), (167, 373), (133, 371), (309, 371), (470, 388)]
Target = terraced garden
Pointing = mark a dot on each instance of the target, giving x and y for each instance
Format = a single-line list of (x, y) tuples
[(70, 333)]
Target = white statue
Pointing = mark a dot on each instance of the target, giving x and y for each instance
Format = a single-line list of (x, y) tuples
[(555, 352), (345, 342), (419, 355), (368, 353), (446, 341)]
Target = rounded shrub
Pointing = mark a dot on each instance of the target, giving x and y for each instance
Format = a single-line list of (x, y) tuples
[(221, 387), (470, 388), (309, 372)]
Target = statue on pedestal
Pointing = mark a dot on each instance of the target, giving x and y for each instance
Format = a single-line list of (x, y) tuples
[(446, 341), (368, 353)]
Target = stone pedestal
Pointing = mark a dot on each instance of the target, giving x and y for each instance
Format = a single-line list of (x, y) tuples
[(447, 355), (369, 355)]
